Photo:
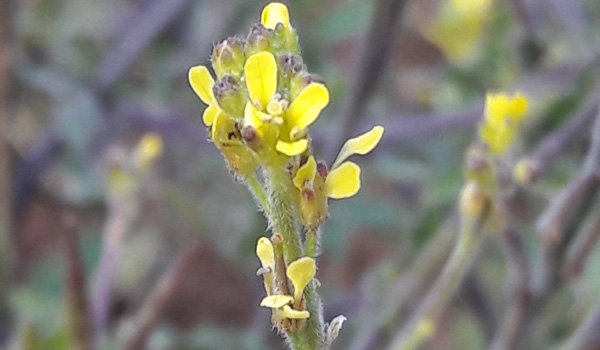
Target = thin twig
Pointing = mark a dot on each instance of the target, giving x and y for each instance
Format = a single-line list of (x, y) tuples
[(136, 39), (383, 310), (154, 305), (551, 225), (6, 213), (520, 294), (80, 322), (376, 47), (582, 249), (586, 335), (473, 294), (557, 142), (117, 223), (421, 324)]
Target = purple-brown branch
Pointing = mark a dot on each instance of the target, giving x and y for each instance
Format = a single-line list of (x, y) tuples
[(511, 329), (375, 50), (6, 213), (117, 223), (582, 249), (153, 307), (80, 322)]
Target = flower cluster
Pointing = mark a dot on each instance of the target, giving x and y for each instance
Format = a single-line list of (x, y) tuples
[(261, 101), (260, 108)]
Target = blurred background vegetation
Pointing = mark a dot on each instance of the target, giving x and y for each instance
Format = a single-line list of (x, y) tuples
[(82, 81)]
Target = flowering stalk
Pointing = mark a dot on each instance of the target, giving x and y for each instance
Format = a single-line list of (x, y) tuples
[(123, 184), (474, 209), (478, 203), (260, 108)]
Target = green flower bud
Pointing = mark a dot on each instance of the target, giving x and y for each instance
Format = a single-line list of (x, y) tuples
[(259, 39), (285, 39), (230, 96), (228, 58)]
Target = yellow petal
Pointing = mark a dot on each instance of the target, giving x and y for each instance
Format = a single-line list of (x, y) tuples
[(343, 181), (276, 301), (306, 172), (275, 13), (306, 107), (202, 83), (517, 106), (265, 253), (301, 272), (288, 312), (210, 113), (291, 148), (362, 145), (496, 108), (219, 124), (261, 77), (252, 117)]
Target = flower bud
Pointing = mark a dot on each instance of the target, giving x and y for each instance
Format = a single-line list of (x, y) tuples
[(313, 204), (526, 172), (285, 39), (472, 200), (259, 39), (479, 169), (290, 64), (230, 96), (228, 58)]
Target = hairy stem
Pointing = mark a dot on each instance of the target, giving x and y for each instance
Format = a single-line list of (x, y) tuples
[(282, 213), (281, 216)]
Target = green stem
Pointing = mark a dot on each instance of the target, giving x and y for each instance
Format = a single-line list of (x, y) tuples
[(421, 324), (281, 215), (258, 191), (311, 243)]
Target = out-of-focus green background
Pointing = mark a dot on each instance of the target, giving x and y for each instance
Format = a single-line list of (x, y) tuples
[(87, 79)]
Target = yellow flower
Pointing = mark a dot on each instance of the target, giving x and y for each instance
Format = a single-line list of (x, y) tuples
[(227, 137), (280, 123), (266, 255), (315, 184), (502, 118), (285, 36), (275, 13), (202, 83), (459, 25), (299, 274), (225, 131)]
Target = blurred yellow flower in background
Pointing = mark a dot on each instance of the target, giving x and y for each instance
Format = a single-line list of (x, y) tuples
[(502, 118), (458, 26)]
